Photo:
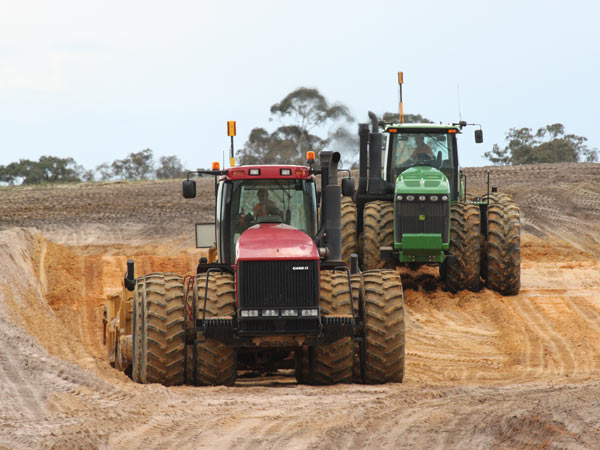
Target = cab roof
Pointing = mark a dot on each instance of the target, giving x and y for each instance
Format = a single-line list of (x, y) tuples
[(414, 127), (266, 171)]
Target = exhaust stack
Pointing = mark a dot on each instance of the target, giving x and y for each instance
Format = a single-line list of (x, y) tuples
[(332, 207)]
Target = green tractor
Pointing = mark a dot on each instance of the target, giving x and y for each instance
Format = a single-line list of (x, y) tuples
[(411, 207)]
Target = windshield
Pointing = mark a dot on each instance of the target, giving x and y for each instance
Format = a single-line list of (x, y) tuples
[(421, 149), (292, 202)]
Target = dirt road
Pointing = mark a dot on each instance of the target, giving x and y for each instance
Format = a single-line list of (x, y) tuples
[(482, 370)]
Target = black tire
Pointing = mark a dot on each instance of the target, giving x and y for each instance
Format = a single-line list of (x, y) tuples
[(159, 332), (349, 244), (378, 232), (216, 362), (358, 348), (465, 232), (329, 363), (384, 346), (503, 246)]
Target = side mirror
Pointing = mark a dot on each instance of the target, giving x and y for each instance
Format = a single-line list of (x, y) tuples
[(189, 189), (478, 136), (205, 235), (348, 187)]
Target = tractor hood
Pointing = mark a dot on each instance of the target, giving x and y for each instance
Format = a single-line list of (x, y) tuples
[(422, 180), (268, 241)]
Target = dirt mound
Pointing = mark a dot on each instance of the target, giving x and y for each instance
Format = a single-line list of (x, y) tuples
[(558, 200), (482, 370)]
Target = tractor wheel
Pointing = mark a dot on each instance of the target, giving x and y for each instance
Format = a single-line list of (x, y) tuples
[(329, 363), (159, 331), (503, 246), (216, 362), (348, 229), (383, 354), (358, 347), (378, 232), (463, 271)]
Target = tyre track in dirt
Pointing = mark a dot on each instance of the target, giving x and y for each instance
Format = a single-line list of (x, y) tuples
[(482, 371)]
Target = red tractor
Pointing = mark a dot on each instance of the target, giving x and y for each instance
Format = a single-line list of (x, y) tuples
[(272, 294)]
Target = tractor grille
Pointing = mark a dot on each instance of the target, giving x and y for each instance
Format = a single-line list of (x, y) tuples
[(278, 284), (279, 326), (437, 216)]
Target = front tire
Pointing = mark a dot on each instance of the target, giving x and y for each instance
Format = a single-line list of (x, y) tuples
[(503, 249), (384, 329), (216, 362), (349, 243), (464, 271), (159, 331), (378, 232), (329, 363)]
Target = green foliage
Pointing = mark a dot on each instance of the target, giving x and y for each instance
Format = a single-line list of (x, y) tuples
[(304, 109), (48, 169), (170, 167), (408, 118), (137, 166), (549, 144)]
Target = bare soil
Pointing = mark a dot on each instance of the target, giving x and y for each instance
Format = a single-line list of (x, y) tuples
[(482, 370)]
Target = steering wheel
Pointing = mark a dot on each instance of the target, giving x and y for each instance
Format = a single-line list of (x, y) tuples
[(423, 157)]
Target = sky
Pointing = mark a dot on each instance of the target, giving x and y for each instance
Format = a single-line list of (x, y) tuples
[(97, 80)]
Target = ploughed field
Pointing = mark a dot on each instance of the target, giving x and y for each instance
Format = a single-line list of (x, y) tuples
[(482, 370)]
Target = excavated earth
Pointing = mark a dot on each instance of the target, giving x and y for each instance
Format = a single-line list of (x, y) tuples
[(482, 370)]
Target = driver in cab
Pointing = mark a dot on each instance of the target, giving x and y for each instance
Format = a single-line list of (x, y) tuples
[(422, 150), (265, 205)]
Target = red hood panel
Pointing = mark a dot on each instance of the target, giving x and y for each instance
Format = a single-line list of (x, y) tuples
[(268, 241)]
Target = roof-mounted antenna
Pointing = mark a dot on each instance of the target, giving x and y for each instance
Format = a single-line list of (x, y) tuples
[(400, 105), (458, 94)]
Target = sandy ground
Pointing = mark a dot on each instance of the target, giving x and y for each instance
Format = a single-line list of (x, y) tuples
[(482, 370)]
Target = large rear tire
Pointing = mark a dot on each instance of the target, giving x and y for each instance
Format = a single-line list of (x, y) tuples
[(464, 271), (378, 232), (503, 246), (329, 363), (159, 331), (349, 243), (216, 362), (384, 348)]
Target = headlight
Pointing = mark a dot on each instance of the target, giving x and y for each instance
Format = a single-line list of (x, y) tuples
[(249, 313), (434, 198), (270, 313), (444, 197), (422, 198), (289, 312), (410, 198), (399, 197)]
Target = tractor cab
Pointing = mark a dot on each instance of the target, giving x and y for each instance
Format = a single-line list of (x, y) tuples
[(421, 156), (250, 196)]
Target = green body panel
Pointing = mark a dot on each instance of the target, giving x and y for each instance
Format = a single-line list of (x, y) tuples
[(422, 180), (421, 248)]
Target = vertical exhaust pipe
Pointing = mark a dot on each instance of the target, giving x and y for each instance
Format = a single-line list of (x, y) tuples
[(375, 183), (363, 135), (332, 195)]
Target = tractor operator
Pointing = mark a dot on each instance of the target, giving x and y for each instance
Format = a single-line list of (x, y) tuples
[(422, 148)]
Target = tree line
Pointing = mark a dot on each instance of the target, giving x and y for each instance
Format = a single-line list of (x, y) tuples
[(307, 122), (51, 169)]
